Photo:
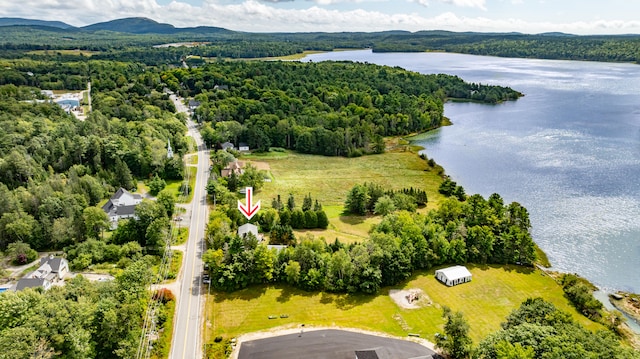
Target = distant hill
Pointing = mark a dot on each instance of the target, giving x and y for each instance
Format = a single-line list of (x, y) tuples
[(12, 21), (143, 25), (133, 25)]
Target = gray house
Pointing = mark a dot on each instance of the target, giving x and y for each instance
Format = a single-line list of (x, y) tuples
[(25, 283)]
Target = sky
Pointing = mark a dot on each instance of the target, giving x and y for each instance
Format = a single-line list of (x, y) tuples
[(526, 16)]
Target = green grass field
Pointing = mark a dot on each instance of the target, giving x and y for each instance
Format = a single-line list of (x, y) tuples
[(174, 185), (492, 294), (348, 228), (64, 52), (328, 179)]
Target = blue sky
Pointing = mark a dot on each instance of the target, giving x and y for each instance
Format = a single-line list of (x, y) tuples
[(527, 16)]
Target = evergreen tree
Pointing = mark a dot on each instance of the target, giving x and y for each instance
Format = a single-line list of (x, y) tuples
[(291, 202), (307, 203)]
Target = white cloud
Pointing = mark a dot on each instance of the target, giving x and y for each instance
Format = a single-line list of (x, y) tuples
[(256, 16), (480, 4)]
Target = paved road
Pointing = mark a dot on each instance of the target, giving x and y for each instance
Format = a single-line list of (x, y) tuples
[(329, 344), (187, 338)]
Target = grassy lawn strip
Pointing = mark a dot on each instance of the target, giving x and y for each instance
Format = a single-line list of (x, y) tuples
[(180, 235), (348, 228), (193, 160), (174, 266), (163, 344), (492, 294)]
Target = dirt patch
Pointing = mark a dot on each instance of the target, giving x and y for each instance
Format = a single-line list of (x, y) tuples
[(410, 298)]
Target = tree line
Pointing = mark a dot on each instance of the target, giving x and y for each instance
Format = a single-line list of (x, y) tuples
[(537, 329), (477, 230), (22, 41)]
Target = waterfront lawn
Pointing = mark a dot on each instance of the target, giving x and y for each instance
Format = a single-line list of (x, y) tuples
[(492, 294), (329, 179)]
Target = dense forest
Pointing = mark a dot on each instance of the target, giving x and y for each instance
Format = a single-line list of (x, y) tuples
[(53, 166), (328, 108), (79, 320)]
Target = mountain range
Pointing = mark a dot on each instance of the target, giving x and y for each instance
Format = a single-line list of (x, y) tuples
[(131, 25)]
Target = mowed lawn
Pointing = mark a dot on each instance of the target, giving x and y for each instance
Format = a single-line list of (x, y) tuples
[(492, 294)]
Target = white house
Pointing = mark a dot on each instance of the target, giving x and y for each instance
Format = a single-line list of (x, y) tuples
[(58, 265), (121, 205), (453, 275), (227, 145), (247, 228), (243, 147), (51, 270)]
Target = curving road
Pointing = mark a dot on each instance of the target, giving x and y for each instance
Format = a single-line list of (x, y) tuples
[(186, 341)]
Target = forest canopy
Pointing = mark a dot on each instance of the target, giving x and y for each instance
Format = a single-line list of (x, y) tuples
[(328, 108)]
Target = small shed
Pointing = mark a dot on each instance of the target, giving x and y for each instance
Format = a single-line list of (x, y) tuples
[(243, 147), (453, 275)]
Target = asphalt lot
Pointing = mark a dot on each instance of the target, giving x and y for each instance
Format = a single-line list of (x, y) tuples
[(328, 344)]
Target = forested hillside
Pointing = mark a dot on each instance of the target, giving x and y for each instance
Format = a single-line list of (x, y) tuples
[(19, 41), (334, 109)]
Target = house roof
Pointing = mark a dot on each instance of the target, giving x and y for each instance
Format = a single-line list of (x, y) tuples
[(455, 272), (54, 262), (366, 354), (42, 271), (227, 145), (194, 103), (121, 191), (108, 206), (248, 228), (125, 210), (30, 283), (242, 144)]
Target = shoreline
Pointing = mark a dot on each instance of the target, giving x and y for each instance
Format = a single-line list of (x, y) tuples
[(624, 305)]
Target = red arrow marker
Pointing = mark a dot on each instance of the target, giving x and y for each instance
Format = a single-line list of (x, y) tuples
[(247, 210)]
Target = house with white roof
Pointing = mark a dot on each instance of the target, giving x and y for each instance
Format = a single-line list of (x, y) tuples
[(247, 228), (453, 275)]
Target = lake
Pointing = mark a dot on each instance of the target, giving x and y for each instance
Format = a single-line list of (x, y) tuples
[(569, 151)]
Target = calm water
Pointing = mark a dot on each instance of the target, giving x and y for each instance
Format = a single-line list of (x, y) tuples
[(569, 151)]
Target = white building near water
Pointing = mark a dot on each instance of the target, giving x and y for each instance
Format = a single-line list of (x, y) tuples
[(453, 275)]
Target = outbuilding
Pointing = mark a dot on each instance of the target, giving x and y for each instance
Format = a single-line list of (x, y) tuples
[(453, 275)]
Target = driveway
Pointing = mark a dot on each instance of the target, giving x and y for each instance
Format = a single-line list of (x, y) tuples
[(330, 344)]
